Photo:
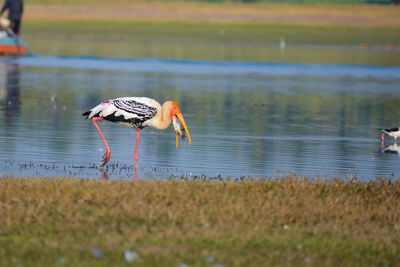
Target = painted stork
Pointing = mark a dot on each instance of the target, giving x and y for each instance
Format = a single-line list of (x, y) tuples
[(138, 112), (393, 132)]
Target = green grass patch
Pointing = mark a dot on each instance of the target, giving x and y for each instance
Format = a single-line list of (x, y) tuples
[(216, 41), (230, 33)]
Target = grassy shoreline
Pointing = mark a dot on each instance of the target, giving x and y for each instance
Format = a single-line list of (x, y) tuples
[(227, 23), (315, 34), (231, 33), (308, 44), (175, 11), (217, 32), (290, 221)]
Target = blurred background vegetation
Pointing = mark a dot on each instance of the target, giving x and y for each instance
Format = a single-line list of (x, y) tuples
[(383, 2)]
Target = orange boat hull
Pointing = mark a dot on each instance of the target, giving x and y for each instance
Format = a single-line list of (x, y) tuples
[(12, 49)]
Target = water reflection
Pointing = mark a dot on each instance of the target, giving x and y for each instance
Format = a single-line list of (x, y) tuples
[(105, 175), (391, 149), (10, 89), (249, 123)]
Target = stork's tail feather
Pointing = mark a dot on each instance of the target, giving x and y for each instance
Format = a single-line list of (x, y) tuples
[(87, 113), (387, 131)]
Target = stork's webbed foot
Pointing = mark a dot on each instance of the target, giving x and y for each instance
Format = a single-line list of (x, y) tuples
[(106, 158)]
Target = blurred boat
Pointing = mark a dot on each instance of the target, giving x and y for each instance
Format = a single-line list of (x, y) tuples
[(10, 45)]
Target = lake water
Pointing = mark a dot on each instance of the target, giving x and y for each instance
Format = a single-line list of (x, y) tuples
[(245, 119)]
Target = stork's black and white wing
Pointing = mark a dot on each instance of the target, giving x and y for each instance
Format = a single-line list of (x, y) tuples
[(127, 110), (391, 130)]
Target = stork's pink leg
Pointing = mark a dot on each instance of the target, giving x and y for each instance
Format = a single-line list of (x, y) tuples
[(107, 155), (135, 156)]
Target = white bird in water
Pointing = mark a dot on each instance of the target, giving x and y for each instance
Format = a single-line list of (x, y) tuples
[(138, 112), (393, 132)]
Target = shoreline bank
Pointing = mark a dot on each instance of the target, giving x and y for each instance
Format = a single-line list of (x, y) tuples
[(269, 13)]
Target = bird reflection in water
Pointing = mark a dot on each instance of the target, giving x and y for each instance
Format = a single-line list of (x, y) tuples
[(392, 149), (106, 176)]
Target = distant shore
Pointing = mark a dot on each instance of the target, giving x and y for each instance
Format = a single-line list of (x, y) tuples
[(370, 33), (352, 15)]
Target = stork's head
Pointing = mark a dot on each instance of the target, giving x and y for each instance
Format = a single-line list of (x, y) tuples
[(176, 116)]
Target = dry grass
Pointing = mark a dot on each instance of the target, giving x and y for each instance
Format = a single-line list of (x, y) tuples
[(290, 221), (355, 15)]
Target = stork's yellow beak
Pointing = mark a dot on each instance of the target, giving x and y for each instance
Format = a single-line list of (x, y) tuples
[(182, 121), (177, 113), (177, 138)]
